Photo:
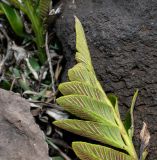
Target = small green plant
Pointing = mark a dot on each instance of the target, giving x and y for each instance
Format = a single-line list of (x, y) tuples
[(36, 11), (101, 121)]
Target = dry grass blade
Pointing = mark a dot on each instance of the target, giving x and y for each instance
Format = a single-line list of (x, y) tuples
[(145, 137), (50, 64)]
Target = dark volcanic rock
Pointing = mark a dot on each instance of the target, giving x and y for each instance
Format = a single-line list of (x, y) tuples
[(20, 137), (122, 36)]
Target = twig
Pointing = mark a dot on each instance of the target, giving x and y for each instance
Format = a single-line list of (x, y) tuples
[(12, 84), (57, 11), (42, 74), (58, 149), (9, 51), (5, 33), (50, 64), (60, 142)]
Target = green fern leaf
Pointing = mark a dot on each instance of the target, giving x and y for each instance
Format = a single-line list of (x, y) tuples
[(44, 8), (87, 108), (83, 54), (80, 73), (97, 131), (129, 120), (80, 88), (86, 151)]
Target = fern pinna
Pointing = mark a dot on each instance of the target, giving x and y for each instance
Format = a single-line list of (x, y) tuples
[(85, 98)]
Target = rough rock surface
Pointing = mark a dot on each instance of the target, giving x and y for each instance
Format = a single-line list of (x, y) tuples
[(20, 137), (122, 36)]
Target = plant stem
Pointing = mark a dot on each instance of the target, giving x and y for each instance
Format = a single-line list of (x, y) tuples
[(130, 147), (50, 64)]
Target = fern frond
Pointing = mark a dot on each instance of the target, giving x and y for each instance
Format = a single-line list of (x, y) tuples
[(85, 98), (87, 151), (83, 54), (81, 88), (43, 7), (81, 73), (88, 108), (106, 134)]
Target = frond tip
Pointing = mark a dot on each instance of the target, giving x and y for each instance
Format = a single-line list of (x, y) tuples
[(83, 54)]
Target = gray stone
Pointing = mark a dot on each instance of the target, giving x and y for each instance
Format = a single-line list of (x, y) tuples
[(122, 37), (20, 136)]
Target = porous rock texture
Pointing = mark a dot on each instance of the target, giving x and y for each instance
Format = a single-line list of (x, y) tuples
[(20, 137), (122, 37)]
